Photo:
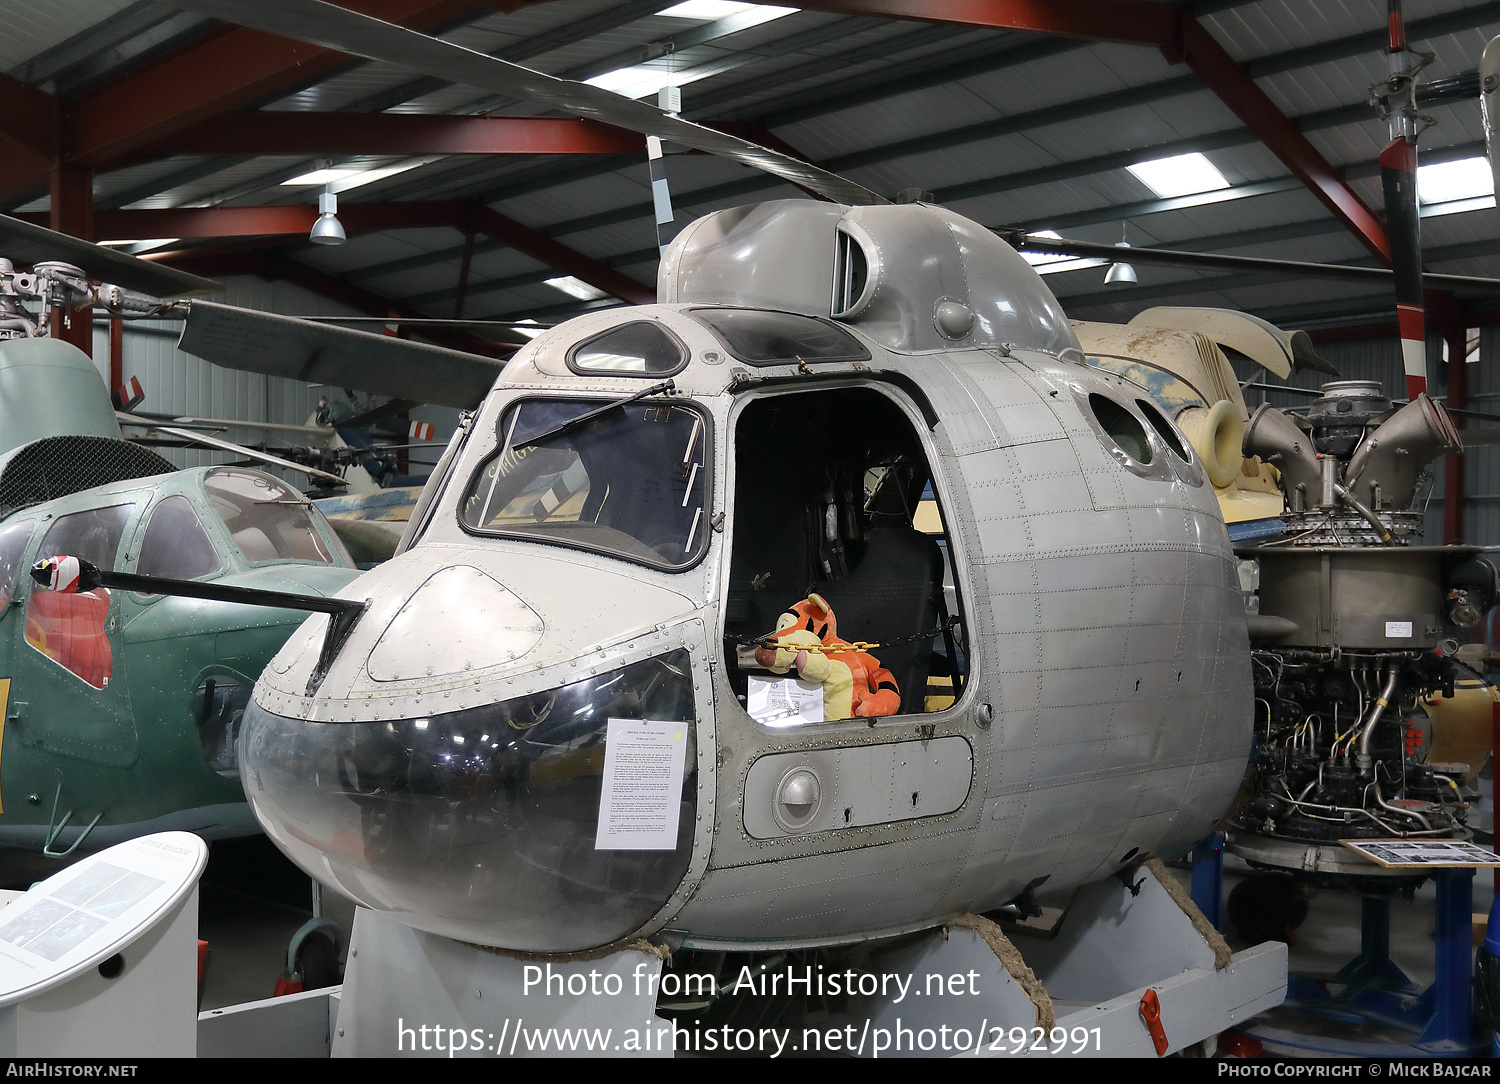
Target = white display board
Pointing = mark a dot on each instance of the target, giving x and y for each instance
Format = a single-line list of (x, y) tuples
[(1423, 853), (100, 960), (76, 919)]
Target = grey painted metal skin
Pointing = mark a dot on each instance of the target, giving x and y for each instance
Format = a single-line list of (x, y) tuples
[(1107, 713)]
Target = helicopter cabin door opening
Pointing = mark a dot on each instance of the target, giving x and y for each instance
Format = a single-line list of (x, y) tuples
[(838, 538)]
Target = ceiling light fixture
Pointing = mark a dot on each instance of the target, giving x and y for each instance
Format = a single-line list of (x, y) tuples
[(1052, 263), (1120, 273), (1180, 175), (575, 287), (327, 230)]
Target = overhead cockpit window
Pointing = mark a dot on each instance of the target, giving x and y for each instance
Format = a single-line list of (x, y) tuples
[(268, 520), (639, 349), (630, 482), (760, 337)]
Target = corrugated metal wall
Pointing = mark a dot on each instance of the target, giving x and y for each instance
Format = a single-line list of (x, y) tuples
[(179, 384), (1381, 360)]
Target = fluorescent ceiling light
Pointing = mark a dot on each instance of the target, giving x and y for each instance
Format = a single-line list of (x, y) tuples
[(141, 246), (1180, 175), (576, 288), (707, 11), (1052, 263), (1464, 179), (643, 80), (1036, 259), (321, 177), (529, 332), (343, 178), (1069, 263)]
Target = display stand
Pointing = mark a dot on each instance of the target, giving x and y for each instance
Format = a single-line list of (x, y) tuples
[(1127, 973), (1373, 989), (101, 959)]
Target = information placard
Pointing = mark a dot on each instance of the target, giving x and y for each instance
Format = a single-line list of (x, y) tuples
[(641, 796)]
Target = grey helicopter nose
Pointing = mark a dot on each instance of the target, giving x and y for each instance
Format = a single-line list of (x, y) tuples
[(464, 795), (485, 822)]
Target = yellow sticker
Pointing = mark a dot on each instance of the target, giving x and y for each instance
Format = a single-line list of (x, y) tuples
[(4, 701)]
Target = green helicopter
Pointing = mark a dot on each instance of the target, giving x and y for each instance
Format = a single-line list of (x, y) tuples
[(119, 710)]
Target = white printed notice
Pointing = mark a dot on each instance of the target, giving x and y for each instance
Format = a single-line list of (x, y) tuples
[(784, 701), (642, 791)]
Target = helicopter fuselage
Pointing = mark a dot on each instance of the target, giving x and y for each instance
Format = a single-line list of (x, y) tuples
[(587, 558)]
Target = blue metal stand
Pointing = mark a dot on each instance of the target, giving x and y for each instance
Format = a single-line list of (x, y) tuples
[(1451, 1025), (1375, 989), (1208, 878)]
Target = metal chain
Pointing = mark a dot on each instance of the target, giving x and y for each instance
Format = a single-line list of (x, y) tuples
[(768, 640)]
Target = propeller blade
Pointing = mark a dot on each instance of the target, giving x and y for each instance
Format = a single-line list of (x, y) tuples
[(377, 414), (1250, 265), (261, 342), (231, 446), (349, 32), (25, 243)]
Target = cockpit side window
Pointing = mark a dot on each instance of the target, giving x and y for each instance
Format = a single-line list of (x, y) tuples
[(631, 482), (175, 544), (70, 629), (643, 348), (838, 540), (13, 539)]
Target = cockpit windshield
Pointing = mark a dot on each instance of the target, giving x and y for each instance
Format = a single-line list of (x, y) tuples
[(630, 482)]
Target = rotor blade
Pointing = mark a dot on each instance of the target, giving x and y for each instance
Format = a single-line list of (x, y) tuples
[(21, 242), (1489, 107), (426, 321), (359, 35), (1479, 438), (219, 425), (231, 446), (375, 414), (260, 342), (1251, 265)]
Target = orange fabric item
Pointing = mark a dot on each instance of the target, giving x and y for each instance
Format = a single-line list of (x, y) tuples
[(69, 629), (875, 690)]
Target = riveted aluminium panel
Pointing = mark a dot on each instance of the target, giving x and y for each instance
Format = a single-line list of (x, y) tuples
[(859, 786)]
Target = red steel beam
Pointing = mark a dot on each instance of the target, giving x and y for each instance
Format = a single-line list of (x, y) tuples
[(272, 265), (28, 122), (1131, 22), (545, 250), (72, 212), (254, 133), (1183, 40), (1234, 87), (296, 221), (224, 69), (272, 221)]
